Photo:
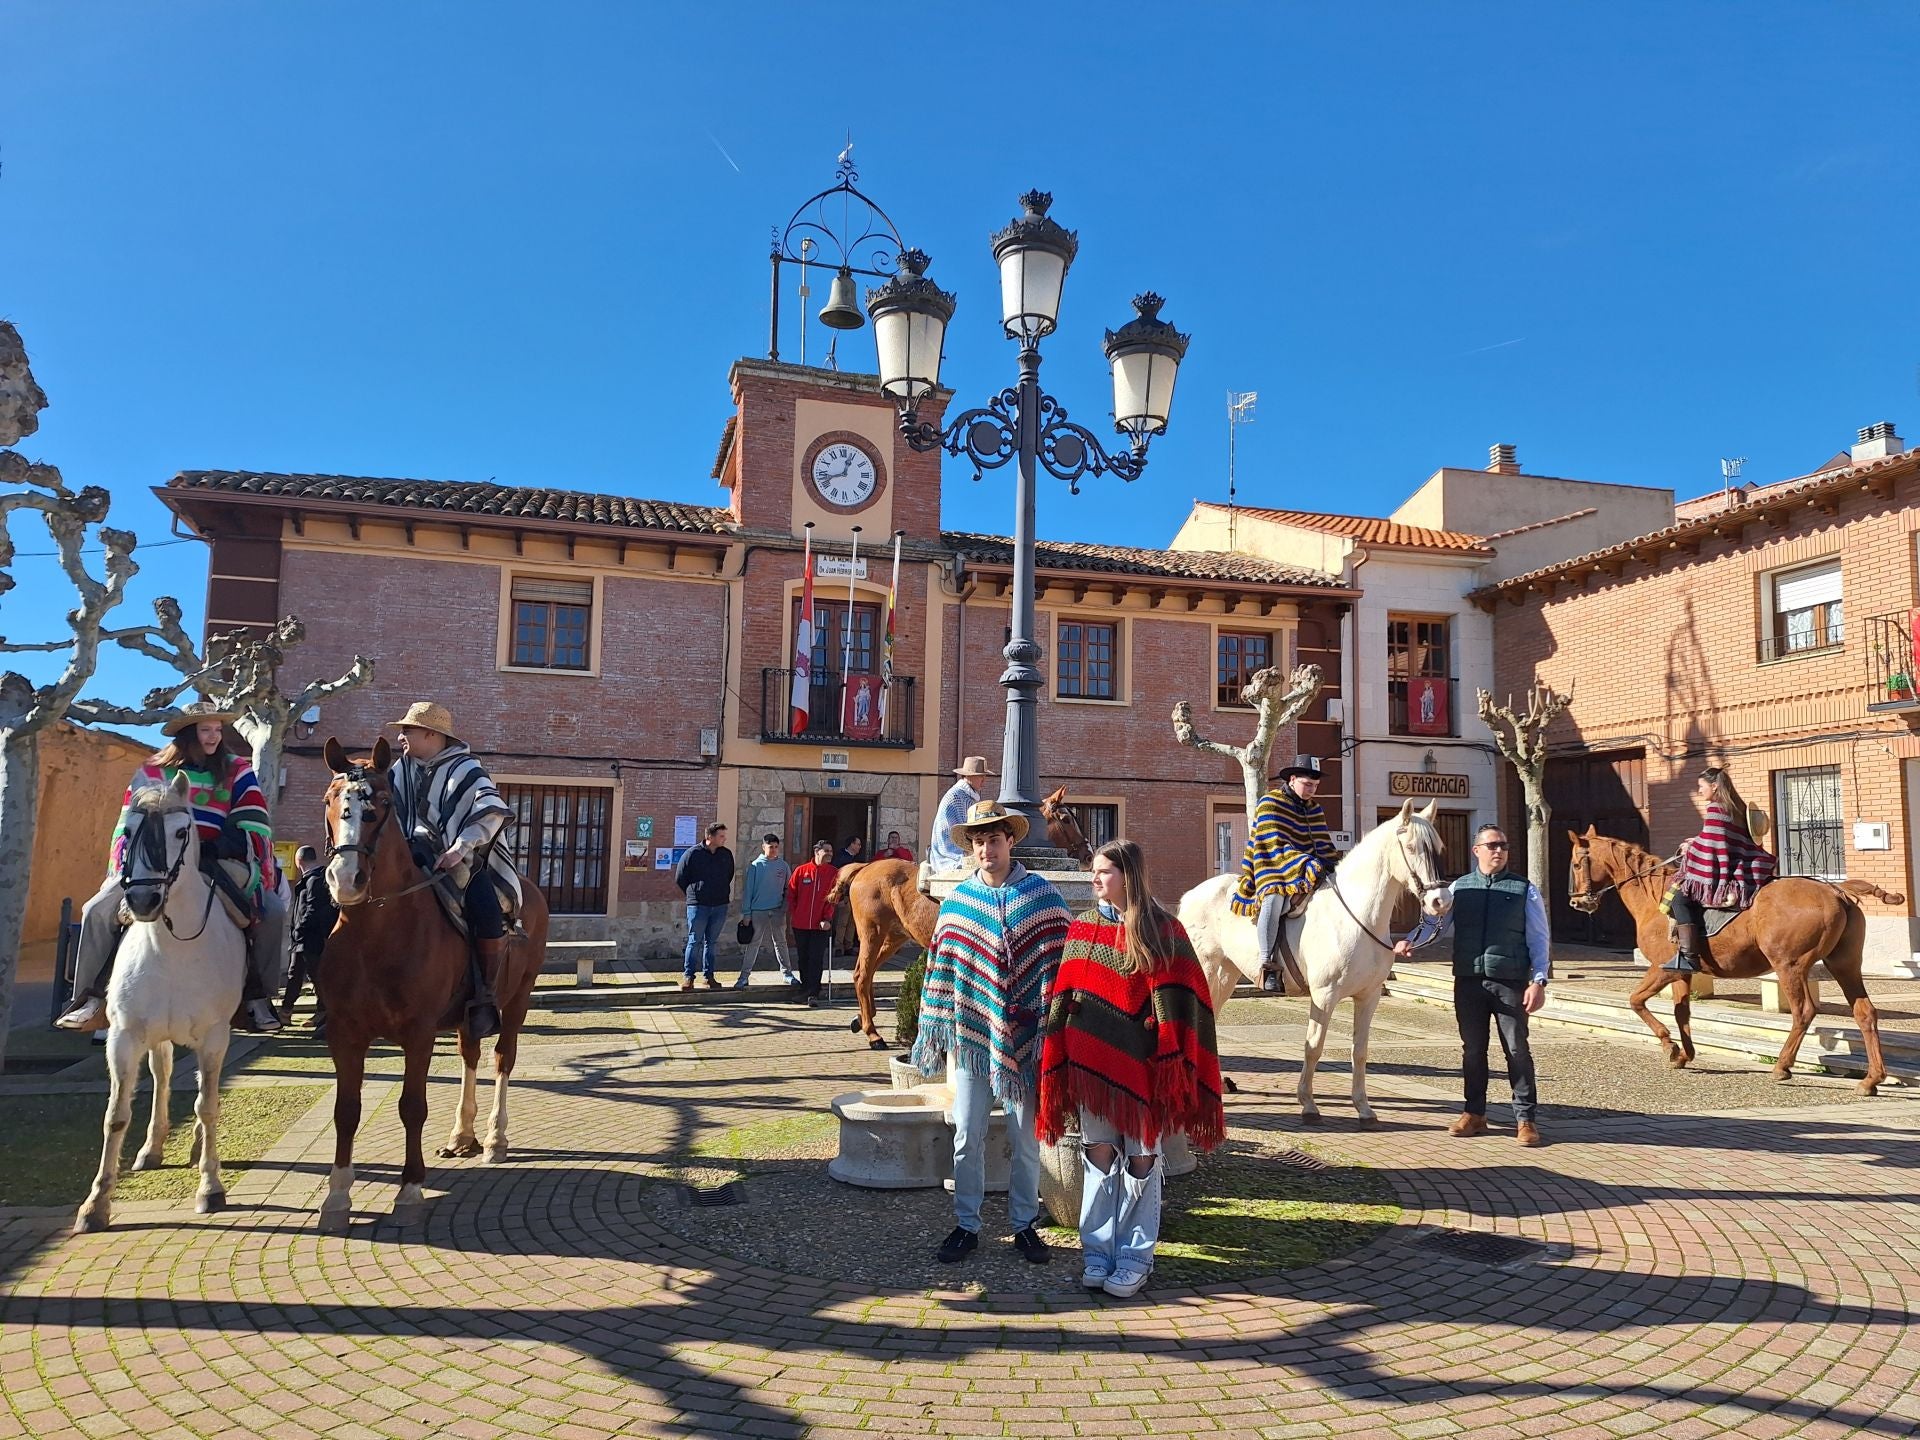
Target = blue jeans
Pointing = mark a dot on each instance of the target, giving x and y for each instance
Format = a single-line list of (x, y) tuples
[(703, 934), (1119, 1210), (973, 1099)]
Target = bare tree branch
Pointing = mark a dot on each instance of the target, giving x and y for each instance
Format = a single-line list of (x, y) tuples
[(1275, 707), (1521, 740)]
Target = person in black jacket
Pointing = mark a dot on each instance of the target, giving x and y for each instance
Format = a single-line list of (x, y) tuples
[(705, 877), (314, 914)]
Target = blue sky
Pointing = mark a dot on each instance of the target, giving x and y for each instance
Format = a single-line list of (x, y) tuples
[(474, 240)]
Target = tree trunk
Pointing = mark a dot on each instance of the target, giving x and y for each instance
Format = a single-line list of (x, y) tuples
[(1533, 790), (266, 736), (19, 810)]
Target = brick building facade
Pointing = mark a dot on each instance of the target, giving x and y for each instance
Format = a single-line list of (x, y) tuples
[(621, 664), (1769, 630)]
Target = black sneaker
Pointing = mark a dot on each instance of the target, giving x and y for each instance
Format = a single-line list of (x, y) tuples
[(1030, 1245), (957, 1246)]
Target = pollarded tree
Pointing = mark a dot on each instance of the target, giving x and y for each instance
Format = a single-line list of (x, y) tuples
[(1521, 738), (1275, 707)]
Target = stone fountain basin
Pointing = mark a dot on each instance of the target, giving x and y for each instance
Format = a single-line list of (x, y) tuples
[(894, 1139)]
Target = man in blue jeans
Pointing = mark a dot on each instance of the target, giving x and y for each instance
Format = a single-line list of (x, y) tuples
[(705, 877)]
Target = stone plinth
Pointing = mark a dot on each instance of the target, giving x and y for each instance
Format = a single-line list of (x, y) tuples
[(894, 1139)]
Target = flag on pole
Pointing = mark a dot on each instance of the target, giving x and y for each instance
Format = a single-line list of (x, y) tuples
[(803, 648), (847, 687), (886, 645)]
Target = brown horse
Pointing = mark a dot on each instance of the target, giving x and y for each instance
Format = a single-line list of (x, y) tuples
[(1792, 925), (395, 969), (880, 902)]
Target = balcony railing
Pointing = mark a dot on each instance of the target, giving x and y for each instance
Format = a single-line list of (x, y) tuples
[(1891, 662), (825, 699), (1805, 640)]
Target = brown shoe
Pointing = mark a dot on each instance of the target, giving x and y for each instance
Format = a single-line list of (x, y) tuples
[(1529, 1135), (1465, 1125), (687, 983)]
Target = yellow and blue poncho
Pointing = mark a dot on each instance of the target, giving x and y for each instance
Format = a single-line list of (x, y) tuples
[(1288, 853)]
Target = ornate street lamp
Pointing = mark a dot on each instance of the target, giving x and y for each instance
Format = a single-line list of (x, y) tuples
[(910, 315)]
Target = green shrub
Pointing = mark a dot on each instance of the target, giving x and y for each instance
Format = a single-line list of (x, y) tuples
[(906, 1008)]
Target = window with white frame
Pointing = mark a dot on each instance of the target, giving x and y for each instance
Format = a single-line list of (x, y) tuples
[(1806, 610), (1809, 822)]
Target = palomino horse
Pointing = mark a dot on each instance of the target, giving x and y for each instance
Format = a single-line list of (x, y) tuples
[(176, 981), (1342, 939), (395, 969), (880, 902), (1792, 925)]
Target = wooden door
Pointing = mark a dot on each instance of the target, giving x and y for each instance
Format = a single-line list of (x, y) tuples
[(1609, 792)]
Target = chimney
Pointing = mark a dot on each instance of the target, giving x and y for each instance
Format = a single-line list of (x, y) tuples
[(1877, 442), (1505, 460)]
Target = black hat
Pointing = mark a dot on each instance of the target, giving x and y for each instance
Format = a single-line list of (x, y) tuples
[(1307, 765)]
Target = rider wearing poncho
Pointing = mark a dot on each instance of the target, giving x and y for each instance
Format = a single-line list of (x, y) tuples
[(1289, 854), (1720, 868), (451, 813)]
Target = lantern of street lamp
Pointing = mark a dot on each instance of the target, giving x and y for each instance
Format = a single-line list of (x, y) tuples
[(1145, 354), (1033, 254), (910, 315)]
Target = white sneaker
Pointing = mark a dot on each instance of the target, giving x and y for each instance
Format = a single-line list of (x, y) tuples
[(1093, 1279), (260, 1015), (1125, 1281), (89, 1015)]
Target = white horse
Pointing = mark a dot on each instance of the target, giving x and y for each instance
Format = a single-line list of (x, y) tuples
[(176, 981), (1341, 940)]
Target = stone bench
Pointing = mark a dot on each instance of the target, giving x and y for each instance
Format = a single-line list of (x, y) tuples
[(1772, 1002), (586, 955)]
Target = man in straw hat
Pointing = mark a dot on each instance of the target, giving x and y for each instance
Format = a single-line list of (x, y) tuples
[(1289, 855), (995, 948), (943, 855), (451, 813), (236, 851)]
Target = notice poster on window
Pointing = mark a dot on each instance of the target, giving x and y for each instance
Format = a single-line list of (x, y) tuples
[(862, 720), (686, 831), (1427, 706)]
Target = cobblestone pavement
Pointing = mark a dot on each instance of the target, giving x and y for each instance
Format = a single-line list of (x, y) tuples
[(1748, 1273)]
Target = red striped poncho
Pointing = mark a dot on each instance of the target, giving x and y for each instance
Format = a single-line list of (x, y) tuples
[(1135, 1048), (1723, 865)]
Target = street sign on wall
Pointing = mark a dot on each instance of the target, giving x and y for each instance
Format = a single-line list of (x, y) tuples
[(1418, 783)]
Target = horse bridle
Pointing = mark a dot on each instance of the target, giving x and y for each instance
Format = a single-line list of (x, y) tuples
[(165, 882), (1595, 896), (1066, 809), (360, 775), (1333, 883)]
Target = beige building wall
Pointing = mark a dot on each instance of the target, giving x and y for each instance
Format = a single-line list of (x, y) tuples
[(83, 778), (1534, 520)]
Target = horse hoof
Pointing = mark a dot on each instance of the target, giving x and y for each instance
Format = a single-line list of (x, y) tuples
[(1226, 1082), (147, 1160), (1676, 1061), (90, 1222), (495, 1155), (854, 1025), (1369, 1122), (1868, 1087), (210, 1204), (334, 1222), (1309, 1117), (459, 1149), (1781, 1074)]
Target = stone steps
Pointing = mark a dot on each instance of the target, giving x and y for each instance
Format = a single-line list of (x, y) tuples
[(1832, 1042)]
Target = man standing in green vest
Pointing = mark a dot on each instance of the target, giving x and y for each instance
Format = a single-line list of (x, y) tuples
[(1502, 956)]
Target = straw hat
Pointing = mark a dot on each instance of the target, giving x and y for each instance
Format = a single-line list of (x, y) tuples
[(974, 766), (426, 715), (1757, 822), (982, 814), (194, 714)]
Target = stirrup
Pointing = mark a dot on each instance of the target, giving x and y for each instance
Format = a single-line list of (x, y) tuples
[(1682, 964)]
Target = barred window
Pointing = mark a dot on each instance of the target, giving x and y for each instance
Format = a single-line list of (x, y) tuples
[(1099, 823), (551, 623), (560, 836), (1086, 662), (1811, 827)]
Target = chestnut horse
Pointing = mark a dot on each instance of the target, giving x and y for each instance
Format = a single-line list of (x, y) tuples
[(1792, 925), (881, 902), (395, 969)]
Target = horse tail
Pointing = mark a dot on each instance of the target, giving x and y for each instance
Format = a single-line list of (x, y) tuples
[(838, 894), (1856, 889)]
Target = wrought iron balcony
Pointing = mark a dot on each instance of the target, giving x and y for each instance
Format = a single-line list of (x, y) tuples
[(831, 720), (1891, 661)]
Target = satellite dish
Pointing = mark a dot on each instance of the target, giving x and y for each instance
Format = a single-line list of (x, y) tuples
[(310, 715)]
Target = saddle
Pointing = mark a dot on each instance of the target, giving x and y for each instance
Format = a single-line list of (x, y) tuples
[(1712, 923)]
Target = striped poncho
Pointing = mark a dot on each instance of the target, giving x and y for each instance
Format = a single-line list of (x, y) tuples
[(994, 952), (227, 792), (1288, 853), (451, 797), (1722, 866), (1135, 1048)]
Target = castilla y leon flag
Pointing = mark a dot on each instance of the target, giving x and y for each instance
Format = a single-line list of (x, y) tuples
[(803, 647)]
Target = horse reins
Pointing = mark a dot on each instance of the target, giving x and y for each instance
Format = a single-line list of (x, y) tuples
[(1592, 894), (1333, 883), (165, 882)]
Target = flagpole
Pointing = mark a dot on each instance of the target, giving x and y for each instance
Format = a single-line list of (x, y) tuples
[(846, 650), (800, 696), (886, 664)]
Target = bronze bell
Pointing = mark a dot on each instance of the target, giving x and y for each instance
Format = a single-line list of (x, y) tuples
[(842, 310)]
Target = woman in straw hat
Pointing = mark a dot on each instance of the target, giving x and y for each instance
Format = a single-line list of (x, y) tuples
[(1720, 868), (236, 831), (451, 813)]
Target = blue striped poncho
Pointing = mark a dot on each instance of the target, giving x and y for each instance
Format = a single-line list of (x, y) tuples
[(994, 953), (1288, 853)]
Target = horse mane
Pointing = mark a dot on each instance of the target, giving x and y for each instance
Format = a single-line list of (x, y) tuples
[(157, 800), (1427, 840)]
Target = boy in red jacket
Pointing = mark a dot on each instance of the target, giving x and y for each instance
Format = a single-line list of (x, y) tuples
[(812, 918)]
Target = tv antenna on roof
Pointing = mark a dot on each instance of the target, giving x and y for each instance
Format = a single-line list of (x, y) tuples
[(1240, 406), (1730, 476)]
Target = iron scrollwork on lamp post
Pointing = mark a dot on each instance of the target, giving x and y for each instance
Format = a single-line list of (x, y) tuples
[(1024, 424)]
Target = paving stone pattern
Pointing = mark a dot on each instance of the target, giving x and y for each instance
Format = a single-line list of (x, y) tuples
[(1750, 1273)]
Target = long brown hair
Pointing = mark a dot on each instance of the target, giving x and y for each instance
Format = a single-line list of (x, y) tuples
[(1727, 797), (1145, 919), (183, 751)]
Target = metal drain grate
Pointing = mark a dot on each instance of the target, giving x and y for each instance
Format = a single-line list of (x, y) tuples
[(727, 1194), (1476, 1248), (1300, 1160)]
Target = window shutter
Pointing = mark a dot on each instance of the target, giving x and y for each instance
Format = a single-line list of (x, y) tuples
[(553, 592), (1807, 588)]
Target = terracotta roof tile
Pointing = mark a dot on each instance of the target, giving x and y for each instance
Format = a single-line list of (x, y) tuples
[(1369, 530), (1130, 560), (509, 502)]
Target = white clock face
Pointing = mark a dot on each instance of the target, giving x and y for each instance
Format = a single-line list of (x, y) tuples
[(843, 474)]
